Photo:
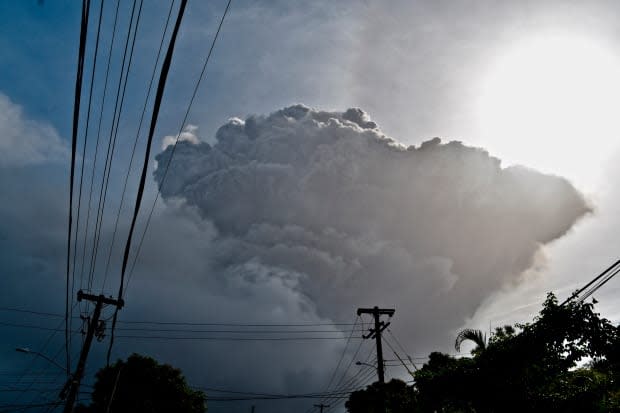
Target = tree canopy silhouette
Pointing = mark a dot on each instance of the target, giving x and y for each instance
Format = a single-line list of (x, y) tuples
[(567, 360), (142, 385)]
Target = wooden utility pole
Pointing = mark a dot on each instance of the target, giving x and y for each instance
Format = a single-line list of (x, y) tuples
[(70, 391), (376, 333), (321, 406)]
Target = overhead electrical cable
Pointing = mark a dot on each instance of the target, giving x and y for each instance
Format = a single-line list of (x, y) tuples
[(253, 331), (289, 397), (344, 352), (36, 379), (235, 324), (92, 180), (181, 323), (605, 273), (118, 106), (601, 282), (401, 361), (203, 338), (11, 408), (402, 348), (339, 383), (133, 150), (359, 381), (115, 128), (74, 136), (342, 383), (37, 355), (41, 350), (79, 198), (193, 331), (60, 385), (183, 123), (346, 370), (262, 394), (156, 105)]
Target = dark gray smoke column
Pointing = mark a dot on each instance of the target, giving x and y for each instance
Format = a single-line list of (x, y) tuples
[(358, 219)]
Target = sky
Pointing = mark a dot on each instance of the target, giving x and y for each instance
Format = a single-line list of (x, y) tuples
[(307, 180)]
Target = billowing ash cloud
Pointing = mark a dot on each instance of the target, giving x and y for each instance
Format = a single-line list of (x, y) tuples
[(357, 219)]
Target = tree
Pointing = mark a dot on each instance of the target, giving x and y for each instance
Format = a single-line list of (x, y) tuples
[(476, 336), (142, 385), (399, 398), (533, 369)]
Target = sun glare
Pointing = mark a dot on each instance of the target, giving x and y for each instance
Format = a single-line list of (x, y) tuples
[(552, 103)]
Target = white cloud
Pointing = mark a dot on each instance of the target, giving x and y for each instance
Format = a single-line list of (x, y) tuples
[(25, 141), (188, 135)]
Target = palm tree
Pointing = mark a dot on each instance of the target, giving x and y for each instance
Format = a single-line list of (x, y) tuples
[(477, 336)]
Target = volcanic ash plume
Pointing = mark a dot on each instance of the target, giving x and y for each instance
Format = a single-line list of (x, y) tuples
[(350, 217)]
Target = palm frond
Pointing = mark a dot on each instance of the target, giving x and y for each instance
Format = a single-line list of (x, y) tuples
[(477, 336)]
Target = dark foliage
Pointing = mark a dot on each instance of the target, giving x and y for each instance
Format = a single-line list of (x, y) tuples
[(141, 385), (537, 367), (399, 398)]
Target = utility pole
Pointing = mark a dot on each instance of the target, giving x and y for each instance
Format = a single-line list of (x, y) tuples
[(321, 406), (95, 328), (376, 333), (253, 408)]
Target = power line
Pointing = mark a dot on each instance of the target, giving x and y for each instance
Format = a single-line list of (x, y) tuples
[(240, 331), (235, 399), (92, 180), (267, 396), (246, 393), (2, 323), (236, 324), (155, 113), (36, 356), (160, 330), (344, 352), (604, 275), (36, 379), (189, 106), (21, 310), (182, 323), (340, 385), (401, 362), (88, 110), (118, 107), (402, 348), (202, 338), (41, 350), (133, 150), (362, 378), (601, 282), (9, 408), (115, 128), (76, 117)]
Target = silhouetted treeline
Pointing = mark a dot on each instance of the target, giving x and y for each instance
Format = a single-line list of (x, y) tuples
[(567, 360)]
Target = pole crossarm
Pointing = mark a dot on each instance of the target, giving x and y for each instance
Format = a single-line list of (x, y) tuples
[(81, 295), (376, 310)]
